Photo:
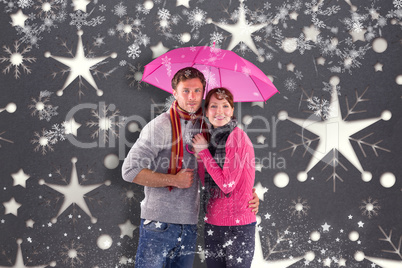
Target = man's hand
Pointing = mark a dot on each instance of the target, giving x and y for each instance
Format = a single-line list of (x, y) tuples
[(184, 178), (254, 203)]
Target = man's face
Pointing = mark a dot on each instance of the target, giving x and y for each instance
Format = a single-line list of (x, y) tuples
[(189, 94)]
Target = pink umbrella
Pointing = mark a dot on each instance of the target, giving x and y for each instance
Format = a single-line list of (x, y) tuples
[(221, 68)]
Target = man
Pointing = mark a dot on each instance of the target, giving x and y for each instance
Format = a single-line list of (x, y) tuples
[(160, 161)]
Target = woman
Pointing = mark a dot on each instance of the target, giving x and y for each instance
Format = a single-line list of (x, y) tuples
[(229, 179)]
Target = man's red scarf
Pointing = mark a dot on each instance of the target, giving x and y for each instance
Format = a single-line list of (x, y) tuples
[(176, 157)]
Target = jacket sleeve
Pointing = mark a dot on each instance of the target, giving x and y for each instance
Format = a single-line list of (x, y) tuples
[(238, 157), (144, 152)]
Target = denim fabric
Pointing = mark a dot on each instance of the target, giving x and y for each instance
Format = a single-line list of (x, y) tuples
[(166, 245), (229, 246)]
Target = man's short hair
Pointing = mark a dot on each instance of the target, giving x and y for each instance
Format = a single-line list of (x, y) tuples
[(188, 73)]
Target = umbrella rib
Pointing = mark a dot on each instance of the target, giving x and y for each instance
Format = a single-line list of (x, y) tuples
[(198, 52)]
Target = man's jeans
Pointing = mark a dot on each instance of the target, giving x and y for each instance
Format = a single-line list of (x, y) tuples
[(166, 245)]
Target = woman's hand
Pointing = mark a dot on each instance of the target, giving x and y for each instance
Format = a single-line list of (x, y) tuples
[(199, 143), (254, 203)]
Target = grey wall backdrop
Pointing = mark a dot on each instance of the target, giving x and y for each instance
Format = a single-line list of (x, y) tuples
[(328, 146)]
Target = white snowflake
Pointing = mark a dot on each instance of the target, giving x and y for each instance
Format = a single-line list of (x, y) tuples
[(79, 19), (397, 4), (102, 8), (50, 9), (42, 141), (290, 84), (133, 51), (105, 124), (370, 207), (57, 133), (320, 107), (298, 74), (196, 18), (167, 64), (303, 44), (351, 57), (17, 59), (42, 107), (314, 9), (210, 78), (168, 103), (163, 14), (31, 34), (120, 10), (328, 87), (216, 37), (111, 32), (25, 3)]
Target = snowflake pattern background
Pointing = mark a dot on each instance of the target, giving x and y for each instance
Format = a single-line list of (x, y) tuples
[(53, 146)]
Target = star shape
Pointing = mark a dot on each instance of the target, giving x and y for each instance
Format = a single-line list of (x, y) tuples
[(311, 33), (127, 228), (74, 192), (239, 260), (290, 67), (18, 19), (20, 178), (29, 223), (158, 50), (81, 5), (267, 216), (159, 225), (335, 133), (325, 227), (12, 207), (327, 262), (350, 217), (71, 126), (320, 61), (378, 67), (293, 15), (342, 262), (183, 3), (261, 139), (360, 223), (210, 232), (242, 30), (358, 35), (80, 65), (260, 191)]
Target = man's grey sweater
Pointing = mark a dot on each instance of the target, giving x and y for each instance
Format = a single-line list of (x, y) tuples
[(152, 150)]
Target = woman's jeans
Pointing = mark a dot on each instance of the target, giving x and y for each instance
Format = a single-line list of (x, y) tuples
[(166, 245), (229, 246)]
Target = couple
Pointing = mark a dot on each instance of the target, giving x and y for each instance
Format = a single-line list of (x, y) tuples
[(162, 161)]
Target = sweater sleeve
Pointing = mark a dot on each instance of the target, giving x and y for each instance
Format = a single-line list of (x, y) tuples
[(237, 158), (153, 138)]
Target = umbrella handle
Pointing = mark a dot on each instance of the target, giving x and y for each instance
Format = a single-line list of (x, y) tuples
[(188, 149)]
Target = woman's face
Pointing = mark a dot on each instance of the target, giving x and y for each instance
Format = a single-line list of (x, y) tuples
[(219, 112)]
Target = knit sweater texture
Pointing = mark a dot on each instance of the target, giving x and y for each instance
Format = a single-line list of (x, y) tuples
[(236, 177), (152, 150)]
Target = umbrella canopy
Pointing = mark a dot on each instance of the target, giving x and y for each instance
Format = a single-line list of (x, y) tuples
[(221, 68)]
